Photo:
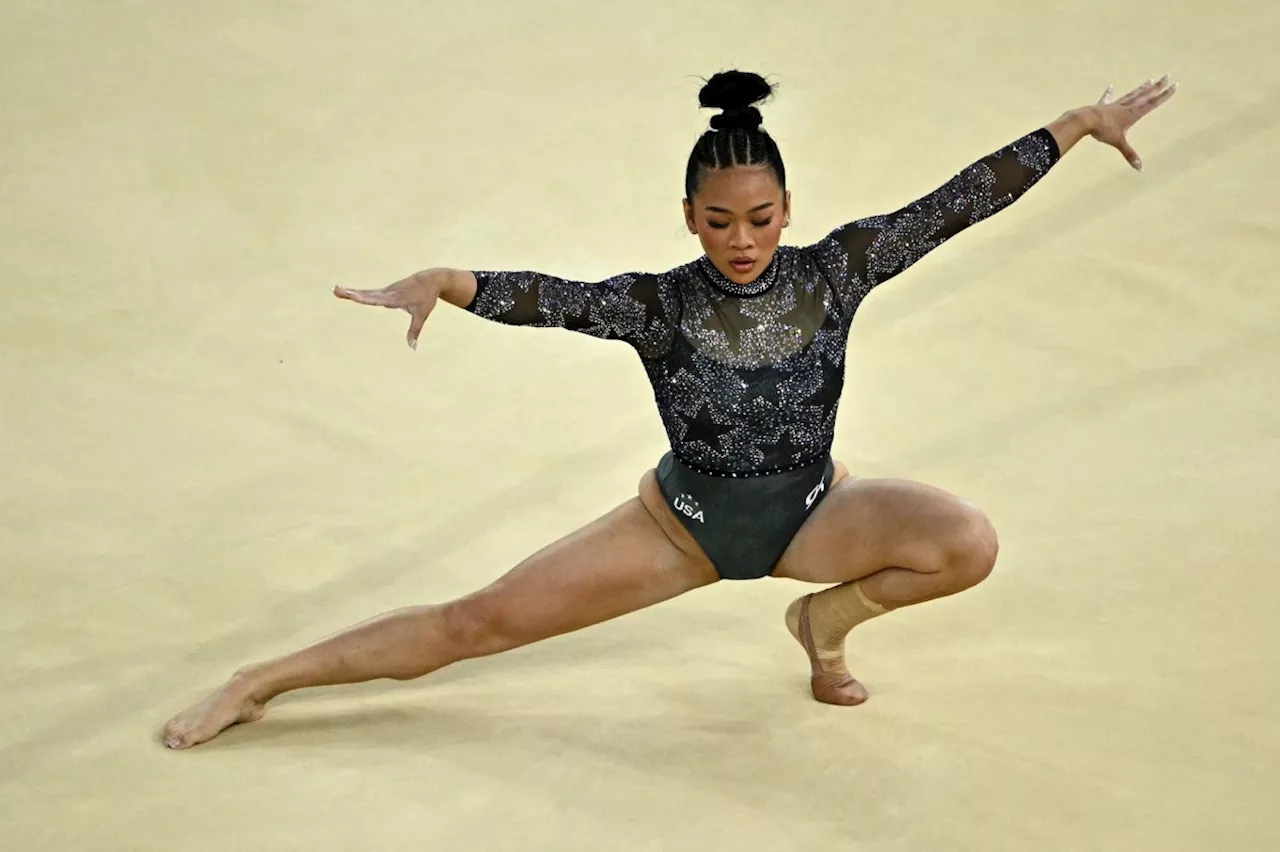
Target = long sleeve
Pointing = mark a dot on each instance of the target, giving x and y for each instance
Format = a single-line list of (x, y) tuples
[(861, 255), (638, 308)]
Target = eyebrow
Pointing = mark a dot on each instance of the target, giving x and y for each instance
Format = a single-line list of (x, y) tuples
[(755, 209)]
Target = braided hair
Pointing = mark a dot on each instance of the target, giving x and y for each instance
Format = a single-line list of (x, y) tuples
[(735, 137)]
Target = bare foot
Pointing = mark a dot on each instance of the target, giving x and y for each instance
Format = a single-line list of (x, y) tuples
[(233, 704), (830, 680)]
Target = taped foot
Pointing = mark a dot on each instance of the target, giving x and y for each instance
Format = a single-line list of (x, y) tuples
[(829, 679)]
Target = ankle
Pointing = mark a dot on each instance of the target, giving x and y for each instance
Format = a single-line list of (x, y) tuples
[(836, 611), (254, 682), (845, 607)]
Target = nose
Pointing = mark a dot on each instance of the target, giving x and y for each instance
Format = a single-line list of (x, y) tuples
[(740, 238)]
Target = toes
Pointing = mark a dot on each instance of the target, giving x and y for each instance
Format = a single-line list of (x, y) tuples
[(844, 691), (180, 732), (182, 735), (174, 739)]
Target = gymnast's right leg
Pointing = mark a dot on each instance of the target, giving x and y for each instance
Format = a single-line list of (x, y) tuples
[(633, 557)]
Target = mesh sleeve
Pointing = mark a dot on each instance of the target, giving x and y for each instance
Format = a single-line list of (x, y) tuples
[(868, 252), (638, 308)]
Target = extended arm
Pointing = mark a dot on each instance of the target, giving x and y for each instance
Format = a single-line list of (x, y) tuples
[(621, 307), (868, 252), (875, 249), (638, 308)]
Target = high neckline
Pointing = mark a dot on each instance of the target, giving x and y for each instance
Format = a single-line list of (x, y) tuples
[(720, 281)]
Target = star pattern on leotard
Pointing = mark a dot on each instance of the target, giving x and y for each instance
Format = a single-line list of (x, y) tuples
[(704, 425), (788, 447), (735, 333)]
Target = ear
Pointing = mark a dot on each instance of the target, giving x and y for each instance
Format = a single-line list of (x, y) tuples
[(689, 220), (786, 208)]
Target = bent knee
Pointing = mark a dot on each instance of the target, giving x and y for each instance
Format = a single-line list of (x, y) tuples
[(973, 547)]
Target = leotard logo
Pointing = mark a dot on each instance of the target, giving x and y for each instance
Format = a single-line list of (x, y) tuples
[(689, 507), (813, 495)]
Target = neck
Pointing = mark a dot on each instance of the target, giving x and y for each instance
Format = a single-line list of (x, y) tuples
[(755, 287)]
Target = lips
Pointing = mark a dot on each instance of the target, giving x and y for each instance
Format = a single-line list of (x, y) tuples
[(742, 264)]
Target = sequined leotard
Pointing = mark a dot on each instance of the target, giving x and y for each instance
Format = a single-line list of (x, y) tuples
[(747, 379)]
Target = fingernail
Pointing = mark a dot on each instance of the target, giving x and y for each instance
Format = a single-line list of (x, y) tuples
[(1137, 164)]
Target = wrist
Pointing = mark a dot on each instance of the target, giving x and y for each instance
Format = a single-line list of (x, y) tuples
[(1074, 125), (434, 279), (1089, 119), (454, 286)]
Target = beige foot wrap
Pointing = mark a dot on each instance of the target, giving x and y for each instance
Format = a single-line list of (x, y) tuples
[(828, 687), (875, 608)]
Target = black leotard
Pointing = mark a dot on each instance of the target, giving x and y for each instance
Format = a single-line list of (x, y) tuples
[(747, 379)]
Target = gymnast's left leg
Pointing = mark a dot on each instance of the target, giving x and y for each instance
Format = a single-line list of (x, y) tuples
[(886, 544)]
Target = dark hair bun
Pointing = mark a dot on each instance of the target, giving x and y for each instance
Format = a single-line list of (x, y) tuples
[(735, 92)]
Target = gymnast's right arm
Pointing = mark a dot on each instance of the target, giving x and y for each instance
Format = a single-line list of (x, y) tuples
[(638, 308)]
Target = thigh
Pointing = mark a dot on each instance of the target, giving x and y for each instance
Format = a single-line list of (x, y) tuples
[(866, 525), (632, 557)]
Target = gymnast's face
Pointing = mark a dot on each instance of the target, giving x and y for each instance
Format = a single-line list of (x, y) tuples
[(738, 214)]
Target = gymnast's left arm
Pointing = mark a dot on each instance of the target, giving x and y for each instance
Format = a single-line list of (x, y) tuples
[(878, 248)]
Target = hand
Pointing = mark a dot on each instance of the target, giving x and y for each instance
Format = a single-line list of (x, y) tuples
[(1112, 118), (417, 294)]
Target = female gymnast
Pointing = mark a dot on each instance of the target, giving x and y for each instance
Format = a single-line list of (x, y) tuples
[(744, 348)]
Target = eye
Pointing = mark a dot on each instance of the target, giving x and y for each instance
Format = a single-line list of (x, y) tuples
[(718, 225), (766, 223)]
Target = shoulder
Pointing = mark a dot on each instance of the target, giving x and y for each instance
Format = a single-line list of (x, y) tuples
[(683, 272), (679, 279), (850, 239), (825, 253)]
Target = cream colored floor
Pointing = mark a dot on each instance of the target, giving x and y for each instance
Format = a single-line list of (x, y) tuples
[(207, 459)]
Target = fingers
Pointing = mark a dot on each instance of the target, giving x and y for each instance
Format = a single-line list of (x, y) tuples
[(381, 298), (1152, 92), (1106, 96), (415, 328), (1142, 91), (394, 297), (1156, 97), (1130, 155), (1132, 95), (1124, 113)]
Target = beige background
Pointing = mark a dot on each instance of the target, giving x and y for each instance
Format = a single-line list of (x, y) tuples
[(207, 459)]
